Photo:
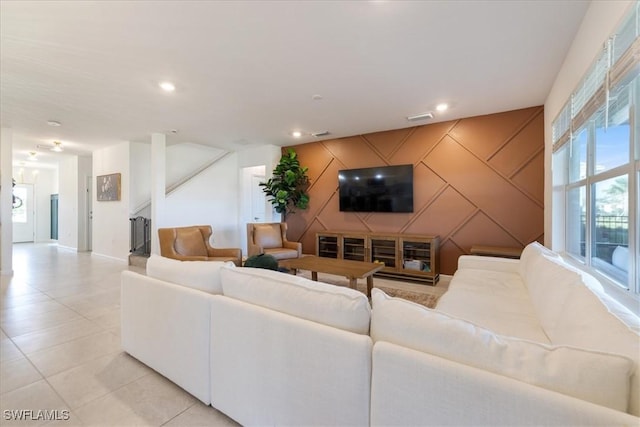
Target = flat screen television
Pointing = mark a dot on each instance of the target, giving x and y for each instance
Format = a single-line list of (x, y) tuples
[(378, 189)]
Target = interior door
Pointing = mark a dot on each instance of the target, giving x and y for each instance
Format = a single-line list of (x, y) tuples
[(258, 199), (23, 213)]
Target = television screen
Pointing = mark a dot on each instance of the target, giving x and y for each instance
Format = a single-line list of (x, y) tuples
[(379, 189)]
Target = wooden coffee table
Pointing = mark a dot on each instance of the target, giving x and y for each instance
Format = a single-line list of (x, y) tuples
[(352, 270)]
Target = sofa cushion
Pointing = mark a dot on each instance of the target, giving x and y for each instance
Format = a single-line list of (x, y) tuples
[(598, 377), (530, 253), (268, 235), (201, 275), (549, 283), (331, 305), (496, 300), (592, 319)]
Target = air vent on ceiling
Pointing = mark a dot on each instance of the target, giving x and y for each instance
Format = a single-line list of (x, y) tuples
[(422, 116), (319, 134)]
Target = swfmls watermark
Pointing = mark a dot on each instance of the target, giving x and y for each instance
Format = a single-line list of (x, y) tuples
[(36, 415)]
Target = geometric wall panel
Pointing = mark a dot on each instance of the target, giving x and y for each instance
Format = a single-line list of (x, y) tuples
[(477, 180)]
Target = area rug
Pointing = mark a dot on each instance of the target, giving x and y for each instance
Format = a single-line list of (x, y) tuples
[(426, 299)]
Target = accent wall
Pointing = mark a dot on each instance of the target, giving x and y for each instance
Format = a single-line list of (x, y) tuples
[(477, 181)]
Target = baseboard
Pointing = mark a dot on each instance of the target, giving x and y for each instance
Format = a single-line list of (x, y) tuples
[(112, 258), (68, 248)]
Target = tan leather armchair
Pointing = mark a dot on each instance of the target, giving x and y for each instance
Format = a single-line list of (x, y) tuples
[(192, 244), (271, 238)]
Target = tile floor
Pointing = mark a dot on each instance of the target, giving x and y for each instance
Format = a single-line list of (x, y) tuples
[(60, 348)]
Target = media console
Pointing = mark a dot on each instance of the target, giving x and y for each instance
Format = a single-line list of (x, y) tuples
[(404, 255)]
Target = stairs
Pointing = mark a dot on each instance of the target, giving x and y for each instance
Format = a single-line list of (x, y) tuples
[(138, 260)]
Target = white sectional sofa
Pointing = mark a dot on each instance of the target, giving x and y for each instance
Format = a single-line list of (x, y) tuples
[(265, 348), (512, 342)]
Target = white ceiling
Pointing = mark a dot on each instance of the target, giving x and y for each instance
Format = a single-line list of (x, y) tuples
[(246, 72)]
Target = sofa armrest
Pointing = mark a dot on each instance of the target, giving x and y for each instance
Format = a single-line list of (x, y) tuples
[(488, 263), (234, 253), (166, 327), (296, 246), (414, 388), (253, 248), (270, 368)]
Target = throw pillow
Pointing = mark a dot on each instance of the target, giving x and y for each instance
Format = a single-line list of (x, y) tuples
[(319, 302), (201, 275)]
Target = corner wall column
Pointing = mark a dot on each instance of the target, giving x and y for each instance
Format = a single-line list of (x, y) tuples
[(6, 202), (158, 186)]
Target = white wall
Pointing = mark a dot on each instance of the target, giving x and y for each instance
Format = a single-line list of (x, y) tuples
[(72, 205), (68, 202), (6, 232), (183, 159), (45, 183), (600, 21), (85, 167), (140, 182), (111, 219), (210, 198)]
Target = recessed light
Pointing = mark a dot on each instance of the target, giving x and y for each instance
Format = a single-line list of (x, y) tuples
[(57, 146), (316, 97), (167, 86), (442, 107), (296, 134), (422, 116), (53, 123)]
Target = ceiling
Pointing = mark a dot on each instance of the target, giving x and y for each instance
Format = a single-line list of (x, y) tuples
[(246, 73)]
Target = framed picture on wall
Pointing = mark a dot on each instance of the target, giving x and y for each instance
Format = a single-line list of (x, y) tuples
[(108, 187)]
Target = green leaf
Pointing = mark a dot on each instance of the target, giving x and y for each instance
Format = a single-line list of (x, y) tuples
[(287, 187)]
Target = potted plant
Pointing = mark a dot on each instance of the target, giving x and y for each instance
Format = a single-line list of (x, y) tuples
[(287, 188)]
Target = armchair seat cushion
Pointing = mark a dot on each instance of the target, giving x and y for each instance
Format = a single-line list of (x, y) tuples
[(271, 239), (281, 253)]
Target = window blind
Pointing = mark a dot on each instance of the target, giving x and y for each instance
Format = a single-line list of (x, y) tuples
[(618, 61)]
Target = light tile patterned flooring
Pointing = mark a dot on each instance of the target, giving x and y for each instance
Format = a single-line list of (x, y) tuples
[(60, 348)]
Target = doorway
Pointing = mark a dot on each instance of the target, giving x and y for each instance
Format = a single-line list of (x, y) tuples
[(258, 199), (89, 213), (253, 201), (54, 217), (23, 213)]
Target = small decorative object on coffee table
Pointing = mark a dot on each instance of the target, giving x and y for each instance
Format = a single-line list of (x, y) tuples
[(352, 270), (262, 261)]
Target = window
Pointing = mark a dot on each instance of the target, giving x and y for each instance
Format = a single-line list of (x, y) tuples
[(576, 221), (598, 198), (596, 162), (578, 157), (610, 227), (19, 212)]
